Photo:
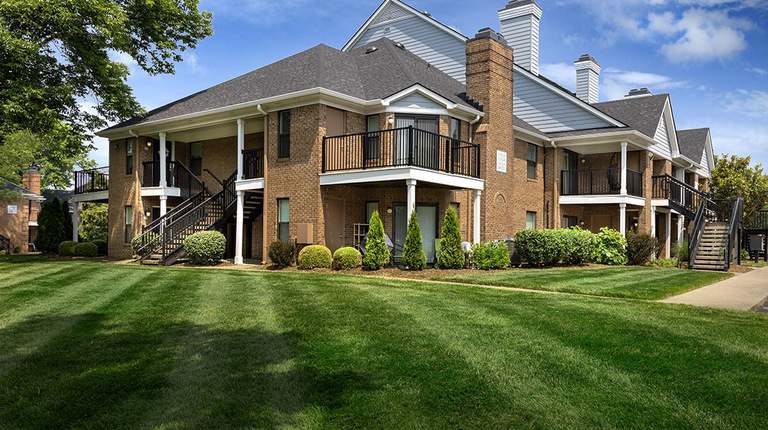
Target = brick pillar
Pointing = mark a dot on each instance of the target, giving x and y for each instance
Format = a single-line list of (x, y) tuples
[(31, 180), (644, 222), (489, 81)]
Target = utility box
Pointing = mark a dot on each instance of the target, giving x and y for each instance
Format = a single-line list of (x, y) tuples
[(756, 243), (304, 232)]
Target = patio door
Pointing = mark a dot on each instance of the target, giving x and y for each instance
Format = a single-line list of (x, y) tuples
[(426, 215), (425, 143), (571, 177)]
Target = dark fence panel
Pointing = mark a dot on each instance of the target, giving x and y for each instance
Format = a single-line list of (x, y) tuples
[(93, 180), (600, 181)]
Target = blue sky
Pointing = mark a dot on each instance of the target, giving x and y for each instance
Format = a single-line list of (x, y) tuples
[(710, 55)]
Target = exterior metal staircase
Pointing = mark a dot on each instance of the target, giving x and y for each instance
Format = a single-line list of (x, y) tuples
[(715, 234), (682, 197), (5, 243), (162, 241)]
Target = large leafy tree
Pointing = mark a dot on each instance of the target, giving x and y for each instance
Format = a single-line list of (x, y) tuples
[(55, 54), (734, 176)]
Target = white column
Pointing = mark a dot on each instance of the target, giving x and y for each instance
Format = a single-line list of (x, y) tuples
[(680, 228), (411, 202), (476, 216), (623, 168), (240, 147), (76, 221), (239, 228), (173, 150), (668, 236), (163, 168), (653, 221), (623, 218), (163, 205)]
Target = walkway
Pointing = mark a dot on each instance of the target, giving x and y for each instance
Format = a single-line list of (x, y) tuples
[(742, 292)]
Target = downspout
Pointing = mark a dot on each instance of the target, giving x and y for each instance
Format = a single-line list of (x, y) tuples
[(471, 129), (130, 131), (261, 111)]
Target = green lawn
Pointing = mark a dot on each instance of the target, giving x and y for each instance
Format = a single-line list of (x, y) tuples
[(89, 345), (650, 283)]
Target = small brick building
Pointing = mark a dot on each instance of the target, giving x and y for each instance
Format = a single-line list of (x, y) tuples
[(18, 218)]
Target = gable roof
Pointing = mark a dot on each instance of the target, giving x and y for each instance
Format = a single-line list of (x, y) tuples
[(386, 4), (365, 76), (641, 113), (692, 142), (8, 185)]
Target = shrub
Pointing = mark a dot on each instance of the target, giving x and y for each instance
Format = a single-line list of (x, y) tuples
[(281, 253), (491, 255), (744, 254), (347, 258), (414, 257), (67, 248), (540, 246), (664, 262), (579, 246), (205, 248), (479, 256), (376, 252), (102, 245), (451, 256), (51, 230), (17, 249), (640, 248), (313, 256), (154, 240), (680, 250), (3, 252), (86, 249), (611, 247)]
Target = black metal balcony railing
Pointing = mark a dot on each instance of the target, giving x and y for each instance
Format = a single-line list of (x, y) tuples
[(759, 222), (177, 175), (407, 146), (253, 163), (92, 180), (599, 181), (672, 189)]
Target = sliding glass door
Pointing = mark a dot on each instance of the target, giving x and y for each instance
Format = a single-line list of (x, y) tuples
[(425, 141)]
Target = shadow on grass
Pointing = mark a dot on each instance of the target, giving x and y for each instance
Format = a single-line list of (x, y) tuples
[(150, 374)]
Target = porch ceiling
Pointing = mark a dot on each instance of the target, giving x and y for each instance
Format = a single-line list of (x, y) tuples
[(398, 175)]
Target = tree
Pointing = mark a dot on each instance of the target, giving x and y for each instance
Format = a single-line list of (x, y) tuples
[(734, 177), (451, 256), (94, 221), (50, 230), (17, 153), (56, 56), (66, 219), (376, 252), (413, 253)]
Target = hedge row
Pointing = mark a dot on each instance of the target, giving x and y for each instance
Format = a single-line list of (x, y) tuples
[(69, 248), (314, 256), (572, 246)]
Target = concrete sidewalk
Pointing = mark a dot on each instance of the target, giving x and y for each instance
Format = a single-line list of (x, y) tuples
[(742, 292)]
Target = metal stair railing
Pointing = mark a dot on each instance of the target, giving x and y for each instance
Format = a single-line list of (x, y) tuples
[(737, 218), (697, 230), (676, 191), (5, 243)]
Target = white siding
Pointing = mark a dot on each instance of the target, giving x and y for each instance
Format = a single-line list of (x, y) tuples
[(417, 101), (587, 85), (522, 35), (704, 171), (433, 45), (548, 111), (662, 145), (392, 12)]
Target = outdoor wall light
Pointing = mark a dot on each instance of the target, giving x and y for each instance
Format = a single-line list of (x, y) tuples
[(117, 145), (389, 210), (391, 120), (581, 222), (583, 160), (148, 213), (149, 143)]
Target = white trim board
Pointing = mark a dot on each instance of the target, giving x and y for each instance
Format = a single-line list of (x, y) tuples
[(388, 174), (602, 199)]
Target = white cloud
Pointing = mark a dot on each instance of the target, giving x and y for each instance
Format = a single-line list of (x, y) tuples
[(741, 138), (753, 104), (562, 73), (706, 35), (616, 83), (759, 71), (190, 59)]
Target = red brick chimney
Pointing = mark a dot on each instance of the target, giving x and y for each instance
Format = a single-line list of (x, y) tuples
[(31, 180), (489, 82)]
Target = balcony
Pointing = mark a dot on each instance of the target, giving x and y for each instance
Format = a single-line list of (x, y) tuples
[(91, 185), (253, 163), (177, 177), (400, 147), (677, 194), (594, 182)]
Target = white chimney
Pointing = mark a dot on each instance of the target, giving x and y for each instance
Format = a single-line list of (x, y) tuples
[(520, 27), (587, 78)]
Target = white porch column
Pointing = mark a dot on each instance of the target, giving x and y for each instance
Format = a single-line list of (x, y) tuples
[(680, 228), (239, 228), (240, 147), (623, 218), (476, 216), (163, 205), (76, 221), (668, 236), (163, 168), (411, 202), (623, 168), (653, 221)]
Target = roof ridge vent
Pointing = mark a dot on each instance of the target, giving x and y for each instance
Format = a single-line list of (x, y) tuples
[(399, 45), (427, 13), (370, 49)]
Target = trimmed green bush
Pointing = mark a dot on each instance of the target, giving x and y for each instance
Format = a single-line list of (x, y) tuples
[(281, 253), (414, 257), (664, 262), (347, 258), (451, 256), (17, 250), (314, 256), (491, 255), (205, 248), (3, 252), (376, 252), (579, 246), (479, 256), (102, 245), (86, 249), (540, 246), (744, 254), (611, 248), (67, 248), (640, 248), (152, 238)]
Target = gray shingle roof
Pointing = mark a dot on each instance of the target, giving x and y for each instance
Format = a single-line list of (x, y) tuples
[(517, 122), (8, 185), (640, 113), (372, 76), (692, 142)]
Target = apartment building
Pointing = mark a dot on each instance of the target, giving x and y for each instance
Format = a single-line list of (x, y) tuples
[(408, 115), (18, 219)]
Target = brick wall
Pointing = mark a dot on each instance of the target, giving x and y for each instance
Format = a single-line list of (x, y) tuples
[(16, 226)]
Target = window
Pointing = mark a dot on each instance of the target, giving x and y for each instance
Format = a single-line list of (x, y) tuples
[(284, 135), (370, 208), (530, 220), (570, 221), (129, 156), (532, 161), (371, 149), (282, 219), (128, 224), (196, 158), (454, 128)]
